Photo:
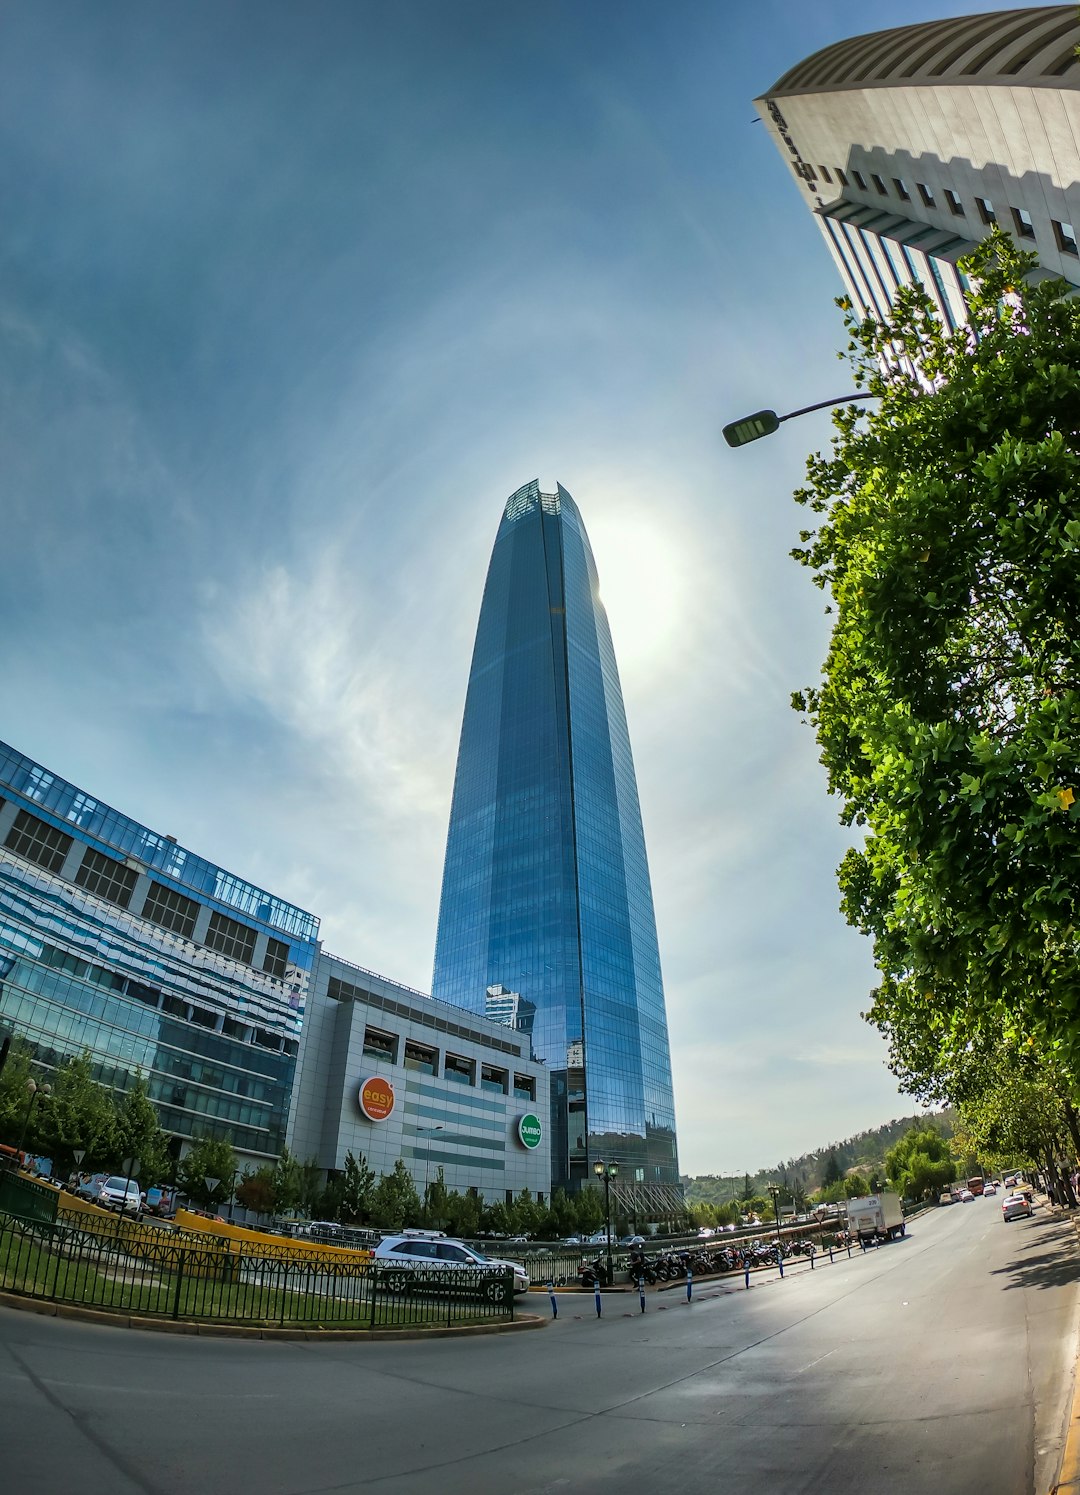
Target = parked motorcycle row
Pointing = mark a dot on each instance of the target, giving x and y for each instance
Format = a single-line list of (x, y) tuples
[(669, 1266)]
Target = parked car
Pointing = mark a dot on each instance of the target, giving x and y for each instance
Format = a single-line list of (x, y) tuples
[(947, 1197), (427, 1258), (90, 1186), (1014, 1205), (120, 1193), (572, 1240), (632, 1240)]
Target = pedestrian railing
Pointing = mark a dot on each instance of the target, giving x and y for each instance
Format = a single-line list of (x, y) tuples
[(147, 1271)]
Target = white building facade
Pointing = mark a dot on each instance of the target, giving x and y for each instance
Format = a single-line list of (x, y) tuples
[(909, 145), (388, 1072)]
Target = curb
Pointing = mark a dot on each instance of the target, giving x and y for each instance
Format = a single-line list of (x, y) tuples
[(1068, 1479), (121, 1320)]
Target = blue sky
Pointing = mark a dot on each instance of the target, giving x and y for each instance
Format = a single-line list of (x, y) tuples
[(292, 297)]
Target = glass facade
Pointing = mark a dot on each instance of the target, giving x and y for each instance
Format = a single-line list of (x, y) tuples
[(118, 941), (546, 893)]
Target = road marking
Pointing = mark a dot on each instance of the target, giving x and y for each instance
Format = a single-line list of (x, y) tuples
[(818, 1361)]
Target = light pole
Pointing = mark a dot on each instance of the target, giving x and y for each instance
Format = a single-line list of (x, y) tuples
[(427, 1131), (774, 1190), (33, 1090), (607, 1171), (765, 422)]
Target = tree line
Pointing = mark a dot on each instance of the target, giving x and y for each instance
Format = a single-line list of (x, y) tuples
[(944, 527)]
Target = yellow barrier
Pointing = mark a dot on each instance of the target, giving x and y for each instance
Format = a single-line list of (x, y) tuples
[(241, 1236)]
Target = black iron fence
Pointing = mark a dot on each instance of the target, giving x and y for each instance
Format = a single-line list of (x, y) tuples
[(164, 1274)]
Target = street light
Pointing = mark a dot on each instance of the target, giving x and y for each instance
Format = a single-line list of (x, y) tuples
[(607, 1171), (427, 1131), (33, 1090), (765, 422), (774, 1190)]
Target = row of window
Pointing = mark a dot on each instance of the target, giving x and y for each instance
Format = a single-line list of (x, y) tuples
[(106, 877), (429, 1014), (421, 1057), (1064, 233), (151, 996)]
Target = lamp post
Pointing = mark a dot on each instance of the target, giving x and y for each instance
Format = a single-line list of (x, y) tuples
[(765, 422), (607, 1171), (427, 1131), (774, 1190), (33, 1090)]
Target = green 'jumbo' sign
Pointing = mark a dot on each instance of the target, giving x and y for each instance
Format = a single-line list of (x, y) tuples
[(529, 1130)]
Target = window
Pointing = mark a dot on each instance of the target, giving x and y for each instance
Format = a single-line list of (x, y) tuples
[(1064, 237), (379, 1045), (841, 176), (233, 1028), (175, 1006), (230, 937), (106, 877), (38, 842), (204, 1017), (955, 205), (509, 1196), (901, 189), (878, 183), (419, 1057), (171, 910), (860, 180), (493, 1079), (825, 173), (447, 1252), (276, 959), (524, 1087), (986, 210), (926, 195), (539, 1196), (459, 1069), (1025, 229)]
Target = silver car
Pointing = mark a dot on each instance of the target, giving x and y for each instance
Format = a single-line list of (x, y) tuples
[(120, 1193)]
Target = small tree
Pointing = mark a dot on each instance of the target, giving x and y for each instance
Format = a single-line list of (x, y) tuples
[(15, 1095), (395, 1202), (310, 1186), (435, 1198), (357, 1188), (209, 1157), (79, 1114), (287, 1183), (139, 1134), (463, 1213), (256, 1191)]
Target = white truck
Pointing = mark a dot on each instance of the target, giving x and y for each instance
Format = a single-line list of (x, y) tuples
[(876, 1217)]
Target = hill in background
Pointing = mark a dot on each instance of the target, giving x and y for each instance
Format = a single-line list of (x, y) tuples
[(865, 1152)]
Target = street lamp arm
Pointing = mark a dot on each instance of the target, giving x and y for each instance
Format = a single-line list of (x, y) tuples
[(824, 404)]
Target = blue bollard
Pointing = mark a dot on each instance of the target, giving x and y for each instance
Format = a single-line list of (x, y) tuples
[(830, 1256), (554, 1300), (812, 1255), (689, 1283), (641, 1292), (598, 1300)]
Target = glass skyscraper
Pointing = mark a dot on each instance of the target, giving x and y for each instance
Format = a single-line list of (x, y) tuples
[(546, 889)]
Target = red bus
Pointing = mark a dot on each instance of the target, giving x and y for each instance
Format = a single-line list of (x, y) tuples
[(976, 1185)]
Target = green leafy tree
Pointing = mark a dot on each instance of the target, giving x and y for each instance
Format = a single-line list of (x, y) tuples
[(139, 1134), (358, 1186), (463, 1213), (287, 1183), (948, 535), (209, 1157), (436, 1195), (310, 1187), (921, 1164), (15, 1096), (395, 1203), (80, 1114), (832, 1168)]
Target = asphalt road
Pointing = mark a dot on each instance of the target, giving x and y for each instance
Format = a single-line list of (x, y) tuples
[(941, 1363)]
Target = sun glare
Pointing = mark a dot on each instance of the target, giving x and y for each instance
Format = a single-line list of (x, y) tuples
[(643, 581)]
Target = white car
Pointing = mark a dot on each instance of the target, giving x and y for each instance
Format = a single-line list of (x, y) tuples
[(120, 1193), (966, 1196), (989, 1188), (409, 1262), (1015, 1204)]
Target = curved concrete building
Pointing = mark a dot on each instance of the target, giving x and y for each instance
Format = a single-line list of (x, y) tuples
[(907, 145)]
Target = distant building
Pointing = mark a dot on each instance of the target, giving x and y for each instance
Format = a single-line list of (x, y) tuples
[(509, 1008), (117, 940), (908, 145), (546, 891), (387, 1072)]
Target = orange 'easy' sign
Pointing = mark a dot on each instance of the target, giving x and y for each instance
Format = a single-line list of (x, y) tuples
[(376, 1098)]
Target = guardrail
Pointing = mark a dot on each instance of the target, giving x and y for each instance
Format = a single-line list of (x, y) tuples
[(152, 1272)]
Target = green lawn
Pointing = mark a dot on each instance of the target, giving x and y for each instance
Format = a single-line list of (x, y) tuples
[(89, 1274)]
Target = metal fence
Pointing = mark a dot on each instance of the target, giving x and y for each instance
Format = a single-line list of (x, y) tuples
[(160, 1275)]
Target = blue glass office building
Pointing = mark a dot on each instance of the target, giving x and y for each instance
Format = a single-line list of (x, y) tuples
[(546, 887), (116, 940)]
